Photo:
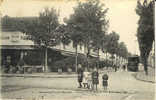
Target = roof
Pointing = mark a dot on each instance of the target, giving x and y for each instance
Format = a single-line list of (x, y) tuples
[(17, 47), (11, 23)]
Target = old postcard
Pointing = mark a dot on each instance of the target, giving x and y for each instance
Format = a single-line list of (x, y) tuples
[(77, 50)]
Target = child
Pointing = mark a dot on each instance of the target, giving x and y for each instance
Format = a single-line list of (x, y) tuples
[(95, 78), (105, 81), (85, 79), (89, 81)]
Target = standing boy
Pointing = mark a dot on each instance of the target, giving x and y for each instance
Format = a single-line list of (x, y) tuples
[(105, 81)]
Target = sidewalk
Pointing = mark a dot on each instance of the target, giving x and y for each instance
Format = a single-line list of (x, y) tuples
[(41, 75), (147, 78)]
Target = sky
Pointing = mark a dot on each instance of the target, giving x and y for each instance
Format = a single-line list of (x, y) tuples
[(121, 15)]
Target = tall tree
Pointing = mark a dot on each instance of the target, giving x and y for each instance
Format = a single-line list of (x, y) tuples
[(113, 38), (145, 32), (105, 44), (88, 22), (97, 44), (112, 45), (43, 30), (76, 37), (122, 51)]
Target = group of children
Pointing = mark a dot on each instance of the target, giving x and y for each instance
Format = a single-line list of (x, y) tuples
[(90, 79)]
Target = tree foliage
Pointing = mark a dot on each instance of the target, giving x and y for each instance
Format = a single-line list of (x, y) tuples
[(145, 32), (42, 30), (122, 50), (112, 44), (88, 22)]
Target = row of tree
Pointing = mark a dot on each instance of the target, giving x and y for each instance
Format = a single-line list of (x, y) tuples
[(87, 27)]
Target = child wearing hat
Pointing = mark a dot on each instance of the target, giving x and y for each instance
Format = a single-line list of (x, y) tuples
[(105, 81)]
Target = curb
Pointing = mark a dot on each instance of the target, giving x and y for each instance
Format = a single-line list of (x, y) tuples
[(31, 76), (135, 76), (41, 76)]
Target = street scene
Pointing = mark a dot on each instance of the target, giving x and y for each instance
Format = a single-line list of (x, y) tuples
[(77, 50)]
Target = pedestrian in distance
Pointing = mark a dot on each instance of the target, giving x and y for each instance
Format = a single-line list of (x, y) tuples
[(105, 81), (124, 67), (115, 67), (95, 78), (80, 75)]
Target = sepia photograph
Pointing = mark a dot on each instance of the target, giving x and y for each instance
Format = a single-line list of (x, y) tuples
[(77, 50)]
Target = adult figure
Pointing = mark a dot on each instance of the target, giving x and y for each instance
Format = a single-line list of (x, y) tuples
[(80, 75)]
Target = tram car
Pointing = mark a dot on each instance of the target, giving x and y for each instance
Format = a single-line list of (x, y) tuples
[(133, 63)]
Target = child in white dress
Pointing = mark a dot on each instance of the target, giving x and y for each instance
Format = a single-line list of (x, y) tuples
[(89, 81), (85, 78)]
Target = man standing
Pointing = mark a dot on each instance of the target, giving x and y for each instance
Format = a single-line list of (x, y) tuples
[(80, 75)]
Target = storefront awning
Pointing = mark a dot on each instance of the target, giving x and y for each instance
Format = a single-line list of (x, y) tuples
[(18, 47)]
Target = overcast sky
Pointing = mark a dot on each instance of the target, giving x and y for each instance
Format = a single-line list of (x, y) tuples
[(121, 15)]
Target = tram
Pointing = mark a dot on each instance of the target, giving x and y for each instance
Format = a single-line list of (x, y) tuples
[(133, 63)]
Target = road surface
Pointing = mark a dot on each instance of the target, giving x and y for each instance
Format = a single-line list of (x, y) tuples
[(122, 86)]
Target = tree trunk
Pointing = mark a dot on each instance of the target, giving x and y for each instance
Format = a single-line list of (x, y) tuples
[(98, 59), (88, 53), (106, 60), (120, 61), (145, 66), (116, 61), (114, 65), (76, 55), (46, 64)]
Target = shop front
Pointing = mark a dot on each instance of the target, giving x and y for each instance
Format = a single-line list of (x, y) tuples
[(21, 55), (14, 47)]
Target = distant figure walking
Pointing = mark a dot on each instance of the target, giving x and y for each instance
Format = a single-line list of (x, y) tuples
[(115, 67), (124, 67), (95, 78), (80, 75), (105, 81)]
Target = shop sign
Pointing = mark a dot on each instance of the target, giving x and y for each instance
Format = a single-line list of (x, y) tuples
[(4, 37)]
